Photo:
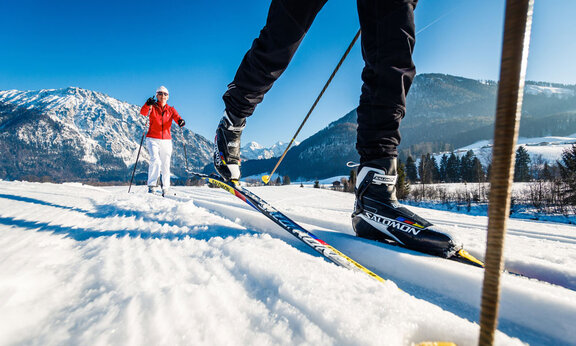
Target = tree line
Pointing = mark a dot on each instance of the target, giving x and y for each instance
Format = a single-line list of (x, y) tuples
[(469, 169), (450, 169), (550, 189)]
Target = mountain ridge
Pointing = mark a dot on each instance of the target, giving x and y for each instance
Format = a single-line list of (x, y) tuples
[(444, 112)]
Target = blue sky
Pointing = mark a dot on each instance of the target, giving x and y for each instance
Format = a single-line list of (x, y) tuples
[(127, 48)]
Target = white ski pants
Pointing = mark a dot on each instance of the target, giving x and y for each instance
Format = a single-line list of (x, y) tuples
[(160, 151)]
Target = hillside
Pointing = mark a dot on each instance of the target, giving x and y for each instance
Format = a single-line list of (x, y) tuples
[(444, 113)]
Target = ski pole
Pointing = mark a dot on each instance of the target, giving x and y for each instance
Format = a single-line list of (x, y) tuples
[(266, 178), (184, 146), (185, 155), (139, 148), (515, 44)]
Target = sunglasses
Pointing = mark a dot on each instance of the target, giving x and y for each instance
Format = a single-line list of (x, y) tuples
[(162, 93)]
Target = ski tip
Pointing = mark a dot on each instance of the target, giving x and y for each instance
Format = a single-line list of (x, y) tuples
[(467, 256), (266, 179)]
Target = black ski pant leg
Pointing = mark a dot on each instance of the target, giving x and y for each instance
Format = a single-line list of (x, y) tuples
[(286, 25), (388, 38)]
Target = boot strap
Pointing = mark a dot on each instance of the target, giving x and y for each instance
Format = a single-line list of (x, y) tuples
[(372, 178), (230, 124), (360, 192)]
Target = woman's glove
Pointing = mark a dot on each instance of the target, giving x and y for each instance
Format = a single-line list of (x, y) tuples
[(150, 101)]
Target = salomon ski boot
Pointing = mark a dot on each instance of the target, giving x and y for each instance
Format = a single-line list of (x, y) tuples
[(379, 216), (227, 147)]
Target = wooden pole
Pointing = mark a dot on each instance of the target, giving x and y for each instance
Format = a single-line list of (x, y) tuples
[(518, 21)]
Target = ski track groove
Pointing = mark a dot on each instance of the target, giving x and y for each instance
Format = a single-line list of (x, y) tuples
[(542, 236), (517, 231), (542, 273), (514, 267)]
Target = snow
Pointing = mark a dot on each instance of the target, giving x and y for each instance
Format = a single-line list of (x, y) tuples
[(541, 149), (92, 265), (549, 91)]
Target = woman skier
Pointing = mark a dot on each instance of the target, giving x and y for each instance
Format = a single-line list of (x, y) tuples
[(159, 138)]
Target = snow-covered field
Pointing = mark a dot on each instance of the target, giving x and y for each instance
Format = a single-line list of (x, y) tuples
[(81, 265)]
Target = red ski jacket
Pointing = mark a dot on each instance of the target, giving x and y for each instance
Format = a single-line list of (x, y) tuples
[(160, 120)]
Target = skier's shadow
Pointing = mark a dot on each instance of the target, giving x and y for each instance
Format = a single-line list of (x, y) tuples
[(40, 202), (100, 212), (82, 234), (200, 232)]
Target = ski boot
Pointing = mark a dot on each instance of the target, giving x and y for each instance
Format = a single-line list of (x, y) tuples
[(227, 147), (378, 215)]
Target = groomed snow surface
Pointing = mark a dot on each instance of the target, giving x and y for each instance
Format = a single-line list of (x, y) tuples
[(81, 265)]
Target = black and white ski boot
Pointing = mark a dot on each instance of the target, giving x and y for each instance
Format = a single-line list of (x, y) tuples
[(378, 215), (227, 147)]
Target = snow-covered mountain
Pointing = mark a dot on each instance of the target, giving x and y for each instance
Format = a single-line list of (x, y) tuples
[(74, 133), (255, 151)]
